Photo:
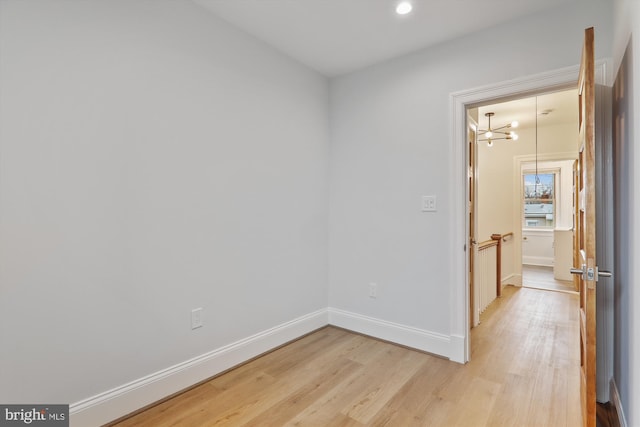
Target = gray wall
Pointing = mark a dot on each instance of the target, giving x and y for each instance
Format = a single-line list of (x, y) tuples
[(153, 159), (623, 194), (626, 57), (390, 127)]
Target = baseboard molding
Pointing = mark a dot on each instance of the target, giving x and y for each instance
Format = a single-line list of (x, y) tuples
[(539, 261), (457, 349), (515, 280), (615, 399), (120, 401), (512, 279), (419, 339)]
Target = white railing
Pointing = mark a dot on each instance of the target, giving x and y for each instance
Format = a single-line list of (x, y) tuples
[(487, 274)]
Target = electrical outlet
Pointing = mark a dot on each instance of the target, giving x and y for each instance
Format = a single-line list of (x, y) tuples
[(429, 204), (373, 290), (196, 318)]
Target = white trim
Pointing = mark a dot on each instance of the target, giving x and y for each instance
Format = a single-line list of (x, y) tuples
[(519, 163), (539, 232), (511, 279), (519, 166), (539, 261), (458, 186), (615, 399), (123, 400), (420, 339), (456, 352), (516, 279)]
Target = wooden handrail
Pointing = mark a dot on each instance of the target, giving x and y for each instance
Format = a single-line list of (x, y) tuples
[(487, 244), (496, 240)]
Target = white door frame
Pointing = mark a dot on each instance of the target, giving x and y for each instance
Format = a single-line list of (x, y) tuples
[(551, 81)]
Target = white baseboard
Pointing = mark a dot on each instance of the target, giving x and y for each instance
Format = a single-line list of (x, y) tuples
[(457, 349), (120, 401), (512, 279), (539, 261), (615, 399), (113, 404), (400, 334)]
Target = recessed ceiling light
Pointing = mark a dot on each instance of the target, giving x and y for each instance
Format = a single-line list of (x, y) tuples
[(403, 8)]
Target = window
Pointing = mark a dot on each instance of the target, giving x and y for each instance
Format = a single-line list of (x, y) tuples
[(539, 200)]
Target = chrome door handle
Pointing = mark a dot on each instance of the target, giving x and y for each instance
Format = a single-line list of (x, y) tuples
[(605, 273), (580, 271), (590, 273)]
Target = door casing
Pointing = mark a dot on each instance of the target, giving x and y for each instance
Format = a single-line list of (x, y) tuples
[(552, 81)]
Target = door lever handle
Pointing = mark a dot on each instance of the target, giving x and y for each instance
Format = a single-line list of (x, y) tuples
[(605, 273), (590, 273), (580, 271)]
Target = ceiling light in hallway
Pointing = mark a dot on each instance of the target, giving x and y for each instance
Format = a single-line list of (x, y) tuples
[(502, 132), (403, 8)]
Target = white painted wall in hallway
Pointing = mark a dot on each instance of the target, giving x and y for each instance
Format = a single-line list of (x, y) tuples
[(153, 159)]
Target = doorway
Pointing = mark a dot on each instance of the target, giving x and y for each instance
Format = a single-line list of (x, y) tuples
[(524, 154), (460, 102), (546, 200)]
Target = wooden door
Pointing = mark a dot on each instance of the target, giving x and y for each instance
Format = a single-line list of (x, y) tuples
[(576, 215), (473, 247), (585, 250)]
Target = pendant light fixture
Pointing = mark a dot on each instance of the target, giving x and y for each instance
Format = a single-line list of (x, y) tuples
[(499, 133)]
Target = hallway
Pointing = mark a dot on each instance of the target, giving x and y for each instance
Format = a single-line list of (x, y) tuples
[(538, 277)]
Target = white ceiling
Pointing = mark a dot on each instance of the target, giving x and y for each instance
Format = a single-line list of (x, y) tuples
[(338, 36), (560, 107)]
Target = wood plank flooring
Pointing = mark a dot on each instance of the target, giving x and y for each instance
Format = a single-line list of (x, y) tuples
[(524, 372), (538, 277)]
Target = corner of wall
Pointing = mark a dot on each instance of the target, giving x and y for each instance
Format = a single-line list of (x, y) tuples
[(615, 400), (127, 398), (430, 342)]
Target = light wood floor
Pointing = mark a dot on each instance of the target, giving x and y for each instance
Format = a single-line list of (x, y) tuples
[(534, 276), (524, 372)]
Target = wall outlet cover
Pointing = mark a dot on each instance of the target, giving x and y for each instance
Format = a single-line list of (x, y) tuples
[(196, 318)]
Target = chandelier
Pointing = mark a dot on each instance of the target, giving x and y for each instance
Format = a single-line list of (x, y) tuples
[(499, 133)]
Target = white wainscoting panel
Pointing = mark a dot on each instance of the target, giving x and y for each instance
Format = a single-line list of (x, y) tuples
[(537, 247)]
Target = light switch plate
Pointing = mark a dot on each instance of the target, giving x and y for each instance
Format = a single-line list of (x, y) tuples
[(429, 204)]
